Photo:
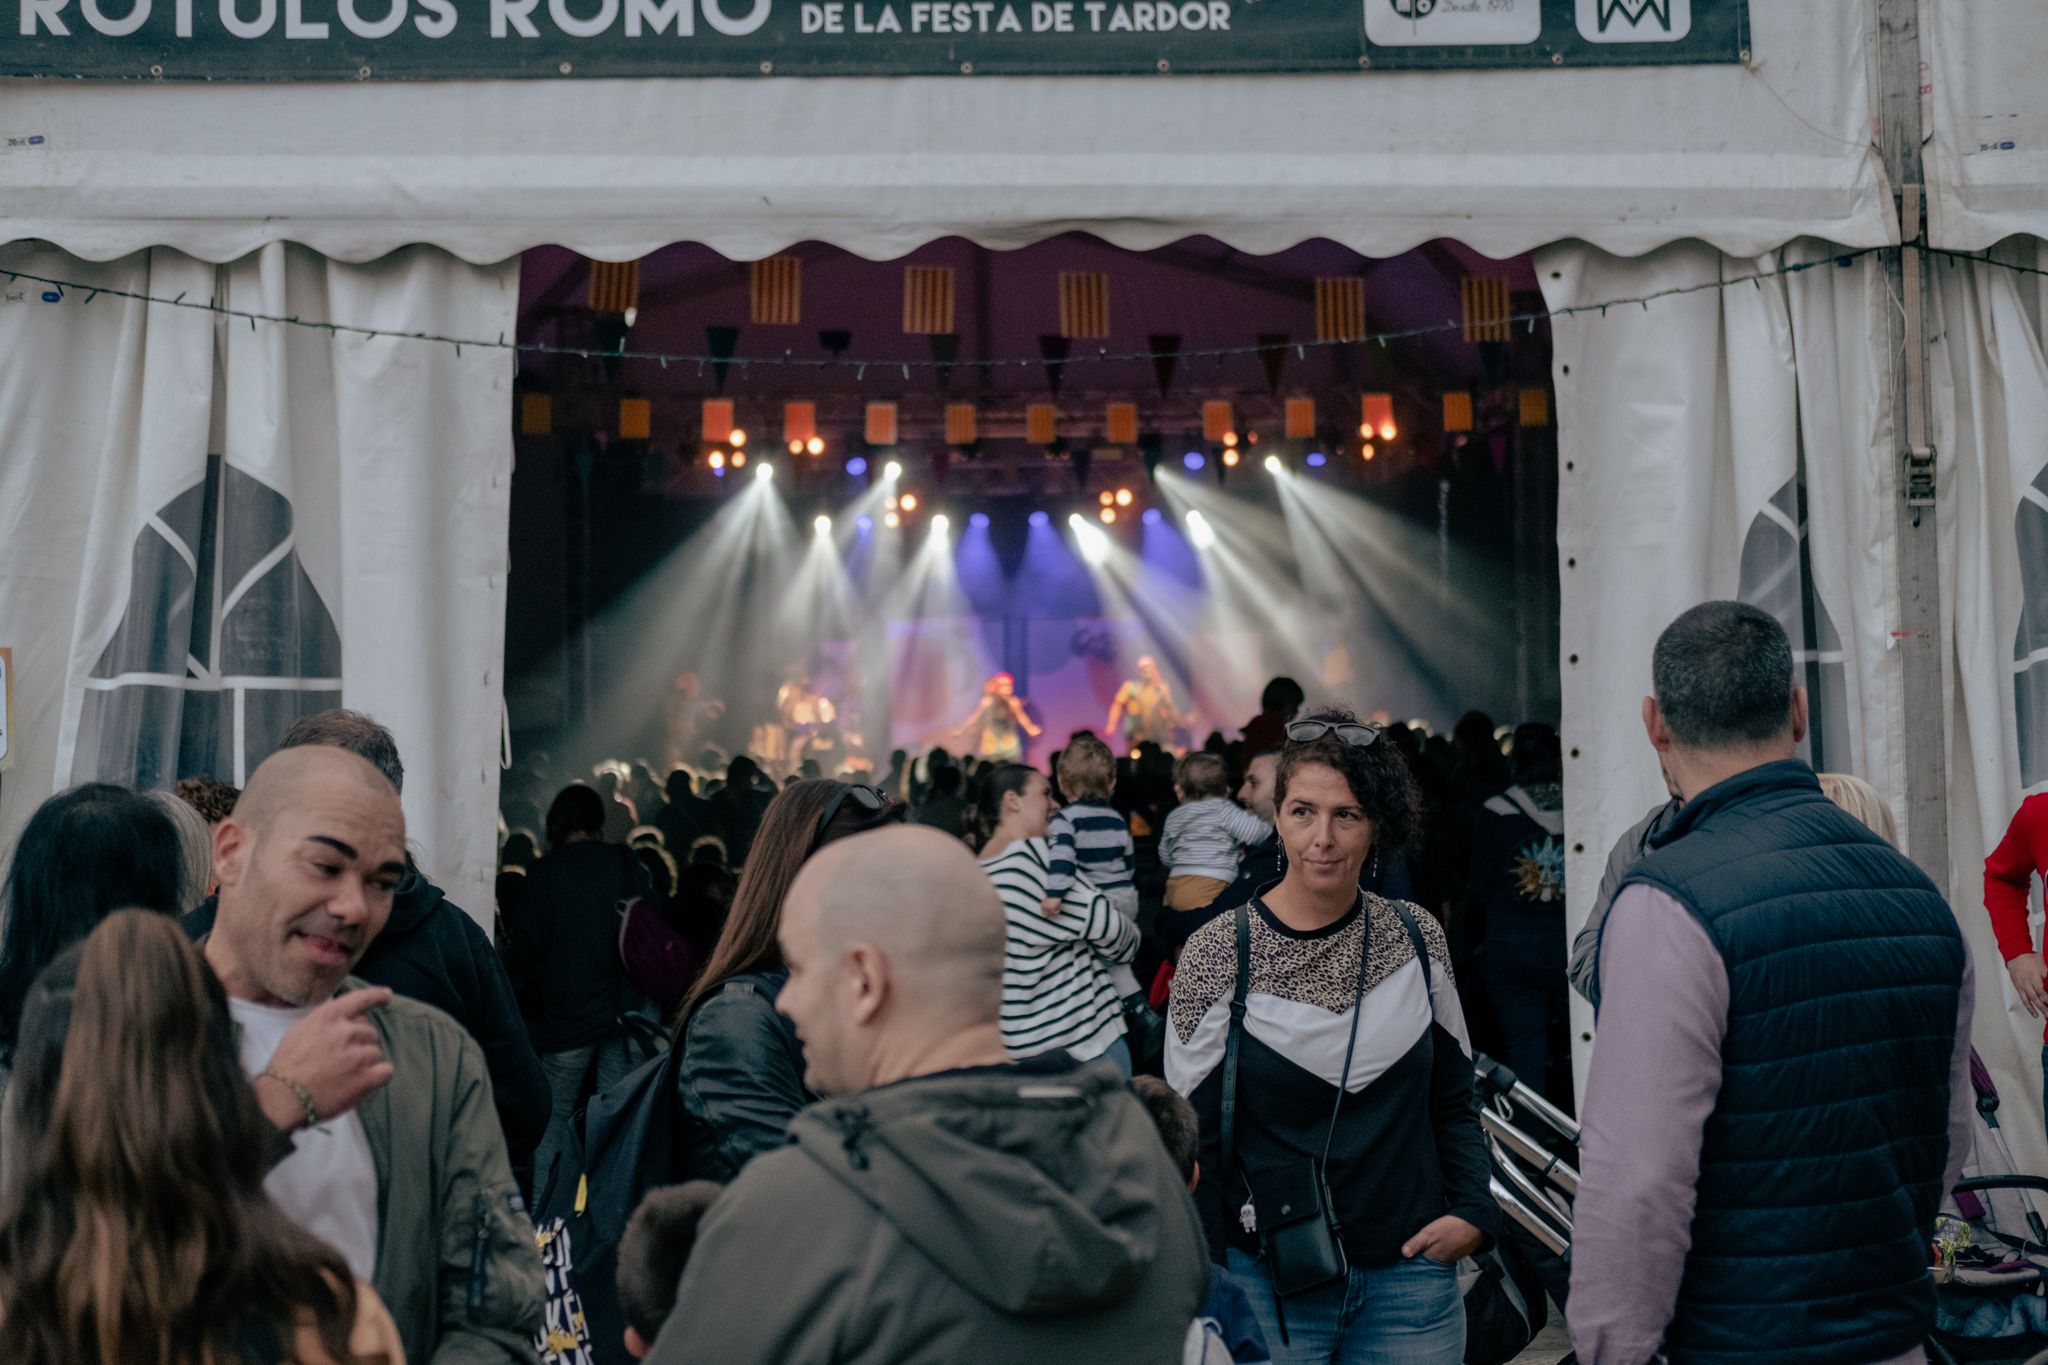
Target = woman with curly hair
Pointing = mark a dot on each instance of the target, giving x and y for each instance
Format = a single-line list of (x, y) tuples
[(1351, 1176), (134, 1229)]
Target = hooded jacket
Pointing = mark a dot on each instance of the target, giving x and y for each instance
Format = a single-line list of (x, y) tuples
[(430, 950), (1024, 1213)]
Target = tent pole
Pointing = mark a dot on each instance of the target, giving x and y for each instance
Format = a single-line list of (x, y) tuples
[(1925, 769)]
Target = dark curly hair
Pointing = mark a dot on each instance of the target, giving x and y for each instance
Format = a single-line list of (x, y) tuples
[(1376, 773)]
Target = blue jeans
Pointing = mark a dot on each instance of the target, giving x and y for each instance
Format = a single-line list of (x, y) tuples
[(614, 1059), (1408, 1313)]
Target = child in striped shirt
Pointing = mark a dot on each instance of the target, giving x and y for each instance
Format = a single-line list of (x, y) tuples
[(1091, 839), (1205, 835)]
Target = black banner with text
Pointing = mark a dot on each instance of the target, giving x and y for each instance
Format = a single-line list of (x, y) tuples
[(277, 40)]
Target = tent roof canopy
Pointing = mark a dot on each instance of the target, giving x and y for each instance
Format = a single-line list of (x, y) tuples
[(1746, 158)]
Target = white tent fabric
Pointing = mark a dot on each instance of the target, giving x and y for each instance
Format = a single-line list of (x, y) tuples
[(209, 529), (1986, 158), (1989, 386), (1686, 430), (1628, 159)]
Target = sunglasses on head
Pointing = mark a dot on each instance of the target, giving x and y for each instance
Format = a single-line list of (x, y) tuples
[(1352, 732), (870, 798)]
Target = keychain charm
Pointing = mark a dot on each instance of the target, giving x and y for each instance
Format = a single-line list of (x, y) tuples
[(1248, 1216)]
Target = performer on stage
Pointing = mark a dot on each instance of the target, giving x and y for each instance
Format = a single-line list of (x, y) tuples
[(1000, 717), (1144, 708), (684, 712)]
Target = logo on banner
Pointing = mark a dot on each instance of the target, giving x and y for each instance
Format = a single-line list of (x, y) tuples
[(1453, 23), (1634, 21)]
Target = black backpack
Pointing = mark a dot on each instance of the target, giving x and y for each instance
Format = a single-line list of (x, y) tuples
[(619, 1146)]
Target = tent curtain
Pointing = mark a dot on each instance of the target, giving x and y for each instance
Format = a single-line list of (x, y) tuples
[(1989, 394), (213, 528), (1741, 443)]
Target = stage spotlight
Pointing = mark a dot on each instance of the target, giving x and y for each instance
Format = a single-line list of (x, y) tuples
[(823, 525), (763, 472), (908, 502), (857, 466), (892, 521), (1040, 519), (1230, 458), (892, 471), (1193, 459), (1090, 540), (1109, 516), (1366, 452), (1230, 438), (1366, 431), (816, 445), (1200, 534), (1123, 497), (796, 447), (1107, 498), (864, 523), (1316, 459), (1152, 517), (717, 460), (941, 524), (718, 471), (1272, 464), (979, 521), (737, 437), (739, 459), (1388, 431)]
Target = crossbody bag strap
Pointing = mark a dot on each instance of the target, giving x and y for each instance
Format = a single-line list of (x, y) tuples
[(1237, 1011), (1421, 952), (1351, 1043)]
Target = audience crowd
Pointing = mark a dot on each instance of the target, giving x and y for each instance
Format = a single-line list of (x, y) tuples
[(1135, 1058)]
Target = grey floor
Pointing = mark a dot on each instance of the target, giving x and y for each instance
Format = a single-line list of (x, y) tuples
[(1549, 1348)]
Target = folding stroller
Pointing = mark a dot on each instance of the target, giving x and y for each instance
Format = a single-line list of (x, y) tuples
[(1991, 1252)]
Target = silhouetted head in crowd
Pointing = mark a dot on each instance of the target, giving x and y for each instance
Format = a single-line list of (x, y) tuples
[(521, 850), (84, 854), (1283, 697), (1536, 759), (576, 813), (354, 732), (195, 845), (134, 1217), (797, 823), (214, 801), (679, 785), (653, 1252)]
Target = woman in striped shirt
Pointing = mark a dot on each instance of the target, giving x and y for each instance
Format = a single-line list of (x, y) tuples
[(1057, 992)]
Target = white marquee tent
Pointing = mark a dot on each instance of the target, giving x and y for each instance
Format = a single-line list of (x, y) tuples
[(371, 473)]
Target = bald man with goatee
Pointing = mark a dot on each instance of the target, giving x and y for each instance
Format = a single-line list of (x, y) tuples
[(946, 1204), (409, 1181)]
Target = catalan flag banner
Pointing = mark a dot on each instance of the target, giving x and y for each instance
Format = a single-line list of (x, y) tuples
[(1120, 424), (1084, 306), (777, 286), (963, 426), (1340, 308), (928, 300), (614, 286), (1486, 304)]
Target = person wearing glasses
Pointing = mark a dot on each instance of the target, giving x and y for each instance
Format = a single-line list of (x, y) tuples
[(1318, 1032), (742, 1074)]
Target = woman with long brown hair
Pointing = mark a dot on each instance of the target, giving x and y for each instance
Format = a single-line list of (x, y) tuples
[(742, 1073), (133, 1223)]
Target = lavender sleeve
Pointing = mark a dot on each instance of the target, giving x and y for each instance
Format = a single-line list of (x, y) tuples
[(1655, 1076)]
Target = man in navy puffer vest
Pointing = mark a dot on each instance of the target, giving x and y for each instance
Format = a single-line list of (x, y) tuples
[(1779, 1093)]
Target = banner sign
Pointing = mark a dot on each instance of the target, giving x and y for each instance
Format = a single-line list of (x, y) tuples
[(281, 40)]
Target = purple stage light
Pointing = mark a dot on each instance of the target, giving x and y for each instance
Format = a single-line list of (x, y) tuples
[(718, 471), (1040, 519), (1316, 459), (864, 523), (1151, 516), (857, 466), (979, 521), (1193, 459)]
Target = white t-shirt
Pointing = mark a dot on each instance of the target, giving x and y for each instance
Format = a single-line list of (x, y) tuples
[(328, 1185)]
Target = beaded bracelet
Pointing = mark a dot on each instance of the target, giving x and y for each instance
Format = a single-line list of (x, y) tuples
[(304, 1096)]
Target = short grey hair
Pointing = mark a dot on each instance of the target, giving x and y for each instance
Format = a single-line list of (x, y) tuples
[(1723, 676), (355, 732), (195, 848)]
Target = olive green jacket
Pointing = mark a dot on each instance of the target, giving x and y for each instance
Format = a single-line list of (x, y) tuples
[(456, 1260)]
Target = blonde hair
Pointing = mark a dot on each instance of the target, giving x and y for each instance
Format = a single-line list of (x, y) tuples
[(1087, 768), (1861, 800)]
